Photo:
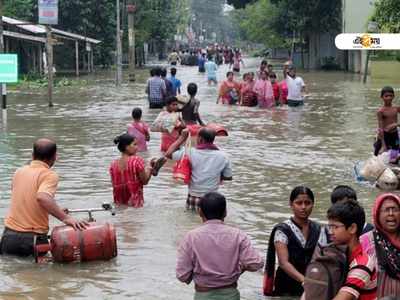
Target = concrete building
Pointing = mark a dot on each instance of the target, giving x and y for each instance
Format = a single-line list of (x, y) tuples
[(355, 16)]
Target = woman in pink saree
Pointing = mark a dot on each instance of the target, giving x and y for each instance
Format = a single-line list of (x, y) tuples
[(264, 91), (139, 130)]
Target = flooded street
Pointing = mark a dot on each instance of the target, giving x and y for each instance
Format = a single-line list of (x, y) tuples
[(272, 151)]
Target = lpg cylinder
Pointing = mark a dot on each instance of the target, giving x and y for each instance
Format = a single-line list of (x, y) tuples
[(96, 242)]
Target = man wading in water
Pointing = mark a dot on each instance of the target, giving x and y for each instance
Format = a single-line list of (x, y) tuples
[(32, 200), (209, 165), (214, 255)]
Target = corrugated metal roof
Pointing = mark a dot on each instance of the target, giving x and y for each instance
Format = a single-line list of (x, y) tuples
[(40, 29), (75, 36), (31, 28)]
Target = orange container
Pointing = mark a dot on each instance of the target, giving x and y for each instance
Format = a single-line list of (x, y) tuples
[(96, 242), (219, 129)]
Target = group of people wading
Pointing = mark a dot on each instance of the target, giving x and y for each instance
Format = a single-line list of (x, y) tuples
[(214, 255), (263, 88)]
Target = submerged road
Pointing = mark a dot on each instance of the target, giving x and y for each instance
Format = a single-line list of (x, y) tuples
[(272, 151)]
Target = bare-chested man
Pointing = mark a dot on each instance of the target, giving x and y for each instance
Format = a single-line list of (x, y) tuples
[(388, 136)]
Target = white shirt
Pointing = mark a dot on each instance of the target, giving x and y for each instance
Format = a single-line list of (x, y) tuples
[(207, 168), (295, 86)]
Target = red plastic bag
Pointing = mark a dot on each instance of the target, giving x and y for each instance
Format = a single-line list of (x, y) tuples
[(182, 171)]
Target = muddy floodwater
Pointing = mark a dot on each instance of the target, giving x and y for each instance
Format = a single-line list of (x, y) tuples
[(272, 151)]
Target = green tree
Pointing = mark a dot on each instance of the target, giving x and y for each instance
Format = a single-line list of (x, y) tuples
[(387, 14), (257, 22), (20, 9)]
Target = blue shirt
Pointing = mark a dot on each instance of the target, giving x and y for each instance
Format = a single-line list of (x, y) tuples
[(176, 84), (211, 68), (201, 61)]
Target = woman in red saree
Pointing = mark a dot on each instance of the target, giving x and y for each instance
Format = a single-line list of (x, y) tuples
[(229, 90), (128, 173), (383, 243), (247, 96)]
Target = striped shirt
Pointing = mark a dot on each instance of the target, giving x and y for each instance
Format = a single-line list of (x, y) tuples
[(361, 279), (156, 89)]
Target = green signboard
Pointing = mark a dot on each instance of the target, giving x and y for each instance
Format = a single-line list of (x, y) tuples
[(8, 68)]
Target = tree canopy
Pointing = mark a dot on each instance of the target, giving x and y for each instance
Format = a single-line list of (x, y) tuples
[(154, 19), (273, 22), (387, 14)]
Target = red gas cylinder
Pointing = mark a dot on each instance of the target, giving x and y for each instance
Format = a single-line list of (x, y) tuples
[(96, 242), (219, 129)]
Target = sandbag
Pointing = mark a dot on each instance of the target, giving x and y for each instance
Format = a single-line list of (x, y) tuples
[(372, 169), (388, 181)]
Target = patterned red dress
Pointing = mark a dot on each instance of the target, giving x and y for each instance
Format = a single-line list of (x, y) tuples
[(127, 187)]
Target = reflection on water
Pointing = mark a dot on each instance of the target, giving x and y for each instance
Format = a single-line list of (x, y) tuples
[(272, 151)]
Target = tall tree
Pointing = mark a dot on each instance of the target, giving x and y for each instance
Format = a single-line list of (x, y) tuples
[(387, 14)]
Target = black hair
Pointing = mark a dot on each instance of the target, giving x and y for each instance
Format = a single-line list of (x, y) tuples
[(170, 100), (163, 72), (301, 190), (152, 72), (229, 73), (173, 71), (123, 141), (348, 212), (387, 89), (157, 71), (136, 113), (207, 134), (272, 75), (264, 62), (192, 89), (269, 65), (342, 192), (213, 206), (44, 151)]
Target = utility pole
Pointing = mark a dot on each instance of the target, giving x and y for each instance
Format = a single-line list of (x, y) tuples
[(118, 78), (3, 90), (49, 52), (131, 8)]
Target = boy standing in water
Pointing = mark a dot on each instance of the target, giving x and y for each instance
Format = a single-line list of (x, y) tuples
[(190, 112), (388, 136), (176, 83)]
